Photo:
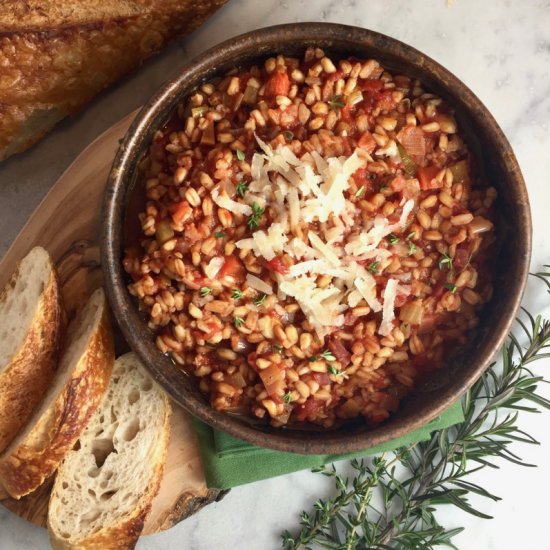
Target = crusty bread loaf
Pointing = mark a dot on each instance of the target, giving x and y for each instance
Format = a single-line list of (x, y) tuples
[(70, 400), (55, 55), (104, 488), (31, 327)]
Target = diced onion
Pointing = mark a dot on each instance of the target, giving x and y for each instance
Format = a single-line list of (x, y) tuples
[(257, 284)]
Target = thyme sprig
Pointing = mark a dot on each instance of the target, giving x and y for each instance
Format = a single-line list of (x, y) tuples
[(390, 502)]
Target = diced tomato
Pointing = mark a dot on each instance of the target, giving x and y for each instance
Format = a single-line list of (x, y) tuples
[(427, 175), (322, 378), (277, 265), (371, 85), (180, 211), (345, 113), (232, 267), (385, 100), (366, 141), (398, 183), (461, 258), (339, 351), (277, 84), (308, 409), (335, 76), (347, 146)]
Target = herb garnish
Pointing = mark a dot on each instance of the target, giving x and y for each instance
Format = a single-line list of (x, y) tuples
[(240, 154), (257, 213), (333, 370), (205, 291), (373, 267), (287, 397), (237, 294), (392, 239), (412, 481), (328, 356), (219, 234), (412, 246), (336, 102), (288, 135), (450, 287), (445, 261), (278, 348), (313, 358), (360, 191), (241, 188), (238, 321), (259, 301)]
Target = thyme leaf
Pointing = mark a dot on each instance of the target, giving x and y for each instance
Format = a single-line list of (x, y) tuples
[(241, 188), (337, 102), (257, 213)]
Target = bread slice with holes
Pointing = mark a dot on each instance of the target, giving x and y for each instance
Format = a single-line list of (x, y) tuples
[(72, 397), (104, 488), (31, 329)]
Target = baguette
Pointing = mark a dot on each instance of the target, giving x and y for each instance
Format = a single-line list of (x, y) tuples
[(31, 327), (55, 55), (104, 489), (69, 402)]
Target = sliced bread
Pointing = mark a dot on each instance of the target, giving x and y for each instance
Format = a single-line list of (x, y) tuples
[(31, 328), (104, 488), (72, 397)]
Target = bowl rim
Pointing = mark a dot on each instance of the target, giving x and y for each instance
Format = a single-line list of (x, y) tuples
[(120, 178)]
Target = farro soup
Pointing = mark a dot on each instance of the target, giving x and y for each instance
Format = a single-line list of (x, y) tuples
[(314, 238)]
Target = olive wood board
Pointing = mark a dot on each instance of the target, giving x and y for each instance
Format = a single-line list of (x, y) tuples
[(67, 224)]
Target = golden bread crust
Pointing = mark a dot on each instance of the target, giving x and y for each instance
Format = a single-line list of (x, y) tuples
[(24, 381), (55, 59), (33, 460)]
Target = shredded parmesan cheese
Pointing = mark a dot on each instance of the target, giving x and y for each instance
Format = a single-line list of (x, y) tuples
[(308, 190), (223, 201), (214, 266), (388, 313)]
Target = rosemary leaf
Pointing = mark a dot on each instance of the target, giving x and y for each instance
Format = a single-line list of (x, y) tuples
[(433, 472)]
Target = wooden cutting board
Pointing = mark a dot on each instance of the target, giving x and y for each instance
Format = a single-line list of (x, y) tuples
[(67, 224)]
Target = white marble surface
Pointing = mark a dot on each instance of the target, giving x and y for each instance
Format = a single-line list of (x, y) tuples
[(501, 50)]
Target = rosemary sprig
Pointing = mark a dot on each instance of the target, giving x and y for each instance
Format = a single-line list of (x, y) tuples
[(391, 501)]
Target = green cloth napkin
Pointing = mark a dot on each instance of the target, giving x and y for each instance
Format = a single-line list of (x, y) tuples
[(229, 462)]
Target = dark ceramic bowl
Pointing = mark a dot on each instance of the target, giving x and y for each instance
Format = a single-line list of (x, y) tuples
[(485, 138)]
